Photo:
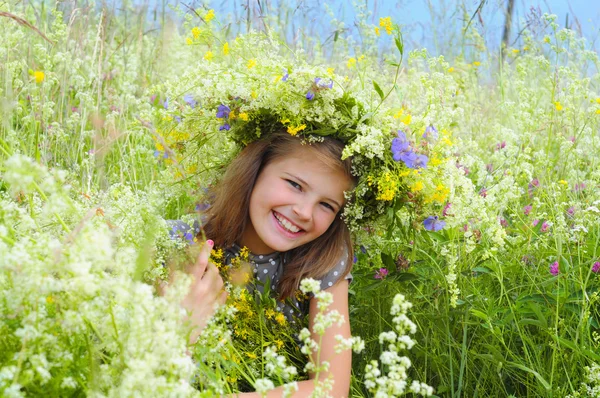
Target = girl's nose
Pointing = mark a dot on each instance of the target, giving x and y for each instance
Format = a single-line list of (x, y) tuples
[(303, 211)]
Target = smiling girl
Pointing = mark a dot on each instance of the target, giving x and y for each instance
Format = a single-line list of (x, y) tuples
[(281, 198)]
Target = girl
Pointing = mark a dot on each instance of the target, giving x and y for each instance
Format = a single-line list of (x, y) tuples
[(282, 199)]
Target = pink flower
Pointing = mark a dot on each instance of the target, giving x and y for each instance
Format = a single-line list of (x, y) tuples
[(535, 222), (571, 211), (545, 227), (381, 274), (483, 192), (446, 208), (596, 267), (554, 268), (527, 209), (503, 222)]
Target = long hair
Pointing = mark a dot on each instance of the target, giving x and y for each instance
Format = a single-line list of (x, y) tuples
[(229, 199)]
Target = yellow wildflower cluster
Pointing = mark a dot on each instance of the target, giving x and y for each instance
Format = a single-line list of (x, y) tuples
[(294, 130), (558, 106), (251, 63), (208, 56), (404, 118), (439, 195), (39, 76), (210, 15), (226, 48), (377, 31), (387, 186), (196, 32), (351, 63), (386, 23)]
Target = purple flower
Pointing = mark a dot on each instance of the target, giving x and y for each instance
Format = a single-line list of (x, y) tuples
[(178, 119), (503, 222), (189, 98), (310, 95), (285, 76), (189, 237), (535, 222), (527, 209), (381, 273), (500, 145), (446, 209), (430, 132), (533, 185), (489, 167), (419, 162), (596, 267), (165, 104), (355, 259), (432, 223), (579, 187), (545, 227), (483, 192), (321, 84), (225, 126), (554, 268), (571, 211), (223, 112)]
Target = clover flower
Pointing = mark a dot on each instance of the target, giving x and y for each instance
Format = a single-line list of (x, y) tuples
[(554, 268), (596, 267), (527, 209), (432, 223), (381, 273)]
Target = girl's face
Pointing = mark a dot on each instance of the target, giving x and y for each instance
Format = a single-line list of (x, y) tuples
[(294, 201)]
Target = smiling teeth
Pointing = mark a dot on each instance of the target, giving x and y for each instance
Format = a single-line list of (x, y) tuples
[(286, 224)]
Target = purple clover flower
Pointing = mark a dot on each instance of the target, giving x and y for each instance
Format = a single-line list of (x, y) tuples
[(189, 99), (545, 227), (501, 145), (381, 273), (571, 211), (432, 223), (225, 126), (554, 268), (527, 209), (533, 185), (596, 267), (223, 112)]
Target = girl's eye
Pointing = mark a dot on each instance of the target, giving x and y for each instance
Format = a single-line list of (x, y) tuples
[(330, 207), (294, 184)]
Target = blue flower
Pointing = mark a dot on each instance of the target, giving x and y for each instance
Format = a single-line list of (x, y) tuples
[(223, 112), (226, 126), (165, 104), (430, 132), (432, 223), (310, 95), (189, 237), (285, 76), (419, 161), (189, 98), (321, 84), (178, 119)]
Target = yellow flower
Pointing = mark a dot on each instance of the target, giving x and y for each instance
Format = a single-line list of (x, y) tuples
[(387, 187), (210, 15), (49, 299), (417, 186), (446, 141), (451, 69), (369, 180), (351, 62), (386, 23), (377, 32), (476, 63), (399, 114), (294, 130), (515, 50), (216, 254), (269, 313), (253, 94), (547, 39), (563, 182), (196, 32), (244, 253), (558, 106), (280, 318), (226, 48), (251, 63), (406, 119), (435, 161), (251, 355), (285, 121), (597, 111), (279, 343), (330, 71), (208, 56), (525, 48), (361, 58), (244, 116), (39, 76), (188, 41), (598, 100)]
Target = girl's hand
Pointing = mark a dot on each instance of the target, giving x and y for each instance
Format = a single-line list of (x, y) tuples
[(206, 292)]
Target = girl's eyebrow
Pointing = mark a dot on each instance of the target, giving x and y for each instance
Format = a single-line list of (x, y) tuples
[(307, 185)]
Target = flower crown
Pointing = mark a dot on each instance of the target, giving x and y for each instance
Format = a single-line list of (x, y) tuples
[(259, 92)]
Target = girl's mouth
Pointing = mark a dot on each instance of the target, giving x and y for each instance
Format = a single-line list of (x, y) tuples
[(286, 226)]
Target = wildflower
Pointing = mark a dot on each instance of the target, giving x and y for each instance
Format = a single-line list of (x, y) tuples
[(377, 31), (251, 355), (39, 76), (579, 187), (446, 210), (554, 268), (532, 186), (500, 145), (318, 85), (351, 62), (208, 56), (243, 116), (285, 76), (432, 223), (420, 161), (196, 32), (451, 69), (563, 182), (251, 63), (165, 103), (596, 267), (225, 126), (545, 227), (489, 167), (503, 222), (381, 273), (280, 318), (330, 72), (362, 57), (386, 23), (430, 132), (483, 192), (535, 222), (558, 106), (310, 95), (476, 63), (527, 209), (223, 111), (188, 41), (189, 99), (515, 50), (294, 130), (571, 212), (226, 48), (210, 15)]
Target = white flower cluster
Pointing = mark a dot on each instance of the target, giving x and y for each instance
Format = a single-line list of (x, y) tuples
[(395, 381)]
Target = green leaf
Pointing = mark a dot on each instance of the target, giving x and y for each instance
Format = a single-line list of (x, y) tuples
[(388, 261), (378, 89), (399, 43), (533, 372)]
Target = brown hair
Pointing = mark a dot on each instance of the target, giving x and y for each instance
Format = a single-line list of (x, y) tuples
[(228, 213)]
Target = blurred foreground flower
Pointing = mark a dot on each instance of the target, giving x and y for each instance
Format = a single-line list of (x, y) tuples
[(432, 223)]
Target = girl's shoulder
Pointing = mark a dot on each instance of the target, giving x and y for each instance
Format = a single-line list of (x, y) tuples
[(337, 273)]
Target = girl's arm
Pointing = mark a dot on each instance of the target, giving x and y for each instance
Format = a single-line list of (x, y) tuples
[(339, 364)]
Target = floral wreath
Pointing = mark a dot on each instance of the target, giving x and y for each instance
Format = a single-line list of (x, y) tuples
[(244, 99)]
